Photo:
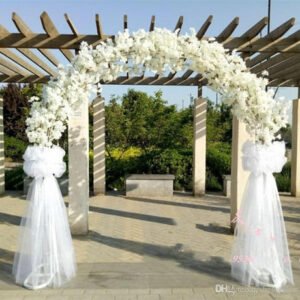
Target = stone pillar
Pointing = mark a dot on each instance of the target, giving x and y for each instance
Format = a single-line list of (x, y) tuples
[(99, 145), (239, 176), (295, 163), (79, 169), (199, 146), (2, 167)]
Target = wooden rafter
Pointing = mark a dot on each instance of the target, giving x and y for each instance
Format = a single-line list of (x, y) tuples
[(99, 27), (152, 23), (51, 30), (71, 25), (26, 31), (229, 29), (125, 22), (30, 55)]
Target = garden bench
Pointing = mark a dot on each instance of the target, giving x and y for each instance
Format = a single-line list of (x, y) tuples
[(149, 185)]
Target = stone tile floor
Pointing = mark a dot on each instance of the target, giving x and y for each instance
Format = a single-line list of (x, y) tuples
[(149, 249)]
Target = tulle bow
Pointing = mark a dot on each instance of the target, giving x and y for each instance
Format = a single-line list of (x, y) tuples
[(42, 162)]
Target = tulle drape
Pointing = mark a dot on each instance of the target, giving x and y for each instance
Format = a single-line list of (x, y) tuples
[(45, 255), (260, 253)]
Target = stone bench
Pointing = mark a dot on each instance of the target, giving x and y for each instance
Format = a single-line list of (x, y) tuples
[(227, 185), (149, 185)]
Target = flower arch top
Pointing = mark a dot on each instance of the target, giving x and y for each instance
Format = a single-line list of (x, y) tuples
[(159, 51)]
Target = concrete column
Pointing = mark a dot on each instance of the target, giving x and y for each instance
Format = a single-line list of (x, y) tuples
[(79, 169), (295, 163), (199, 147), (239, 176), (99, 145), (2, 168)]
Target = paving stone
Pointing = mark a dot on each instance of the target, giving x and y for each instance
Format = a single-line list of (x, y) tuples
[(125, 297), (161, 291), (171, 297), (126, 255), (102, 297), (183, 291), (148, 297), (139, 291)]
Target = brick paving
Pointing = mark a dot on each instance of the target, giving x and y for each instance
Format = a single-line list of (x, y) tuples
[(149, 249)]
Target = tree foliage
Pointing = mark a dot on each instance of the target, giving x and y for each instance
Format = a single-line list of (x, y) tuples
[(16, 108)]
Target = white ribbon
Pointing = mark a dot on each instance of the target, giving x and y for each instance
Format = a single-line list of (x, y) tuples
[(46, 255), (260, 253)]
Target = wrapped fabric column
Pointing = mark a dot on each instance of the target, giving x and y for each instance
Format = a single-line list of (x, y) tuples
[(239, 175), (79, 169), (295, 165), (2, 167), (99, 145), (199, 147)]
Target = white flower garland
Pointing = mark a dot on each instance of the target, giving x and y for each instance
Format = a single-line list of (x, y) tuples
[(159, 51)]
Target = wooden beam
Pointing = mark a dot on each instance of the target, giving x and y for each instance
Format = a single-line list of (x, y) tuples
[(25, 30), (30, 55), (18, 60), (282, 83), (201, 32), (68, 41), (284, 72), (179, 24), (51, 30), (274, 36), (229, 29), (273, 61), (248, 35), (7, 71), (99, 27), (152, 23), (294, 39), (284, 65), (13, 67), (71, 25), (125, 22)]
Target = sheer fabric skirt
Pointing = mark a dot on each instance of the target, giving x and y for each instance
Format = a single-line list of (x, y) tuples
[(45, 255), (260, 254)]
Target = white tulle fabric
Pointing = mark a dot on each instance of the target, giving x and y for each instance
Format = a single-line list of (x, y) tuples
[(45, 255), (260, 253)]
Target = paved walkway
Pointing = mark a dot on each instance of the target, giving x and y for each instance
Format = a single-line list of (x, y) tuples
[(149, 249)]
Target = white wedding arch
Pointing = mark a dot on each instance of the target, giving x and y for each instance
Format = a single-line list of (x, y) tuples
[(261, 259), (159, 51)]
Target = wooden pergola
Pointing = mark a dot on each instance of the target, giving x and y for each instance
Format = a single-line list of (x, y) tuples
[(278, 52)]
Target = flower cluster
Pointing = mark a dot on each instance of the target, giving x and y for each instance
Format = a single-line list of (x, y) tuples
[(159, 51)]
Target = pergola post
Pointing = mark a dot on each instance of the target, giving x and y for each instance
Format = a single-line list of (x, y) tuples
[(99, 145), (295, 163), (199, 145), (239, 176), (2, 167), (79, 169)]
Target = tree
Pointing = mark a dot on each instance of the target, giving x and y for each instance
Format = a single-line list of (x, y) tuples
[(16, 108)]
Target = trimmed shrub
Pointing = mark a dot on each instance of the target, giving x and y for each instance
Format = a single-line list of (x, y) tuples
[(14, 179), (283, 179), (14, 148)]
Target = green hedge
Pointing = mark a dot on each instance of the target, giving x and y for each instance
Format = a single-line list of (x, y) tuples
[(283, 179), (14, 179), (14, 148)]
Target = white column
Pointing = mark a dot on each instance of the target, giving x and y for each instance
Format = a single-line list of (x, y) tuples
[(2, 168), (99, 145), (239, 176), (295, 163), (199, 147), (79, 169)]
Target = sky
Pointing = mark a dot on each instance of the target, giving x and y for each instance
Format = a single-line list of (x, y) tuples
[(167, 12)]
